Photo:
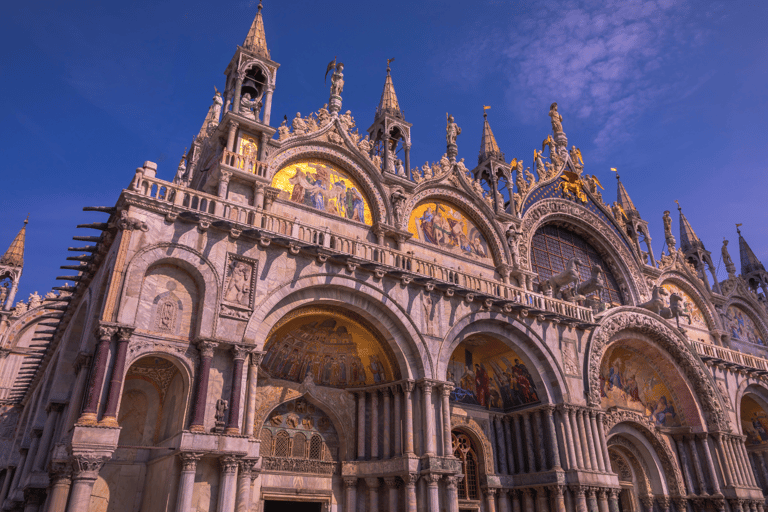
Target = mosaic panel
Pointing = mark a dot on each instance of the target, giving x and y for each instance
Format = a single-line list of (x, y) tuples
[(488, 373), (754, 422), (439, 223), (322, 186), (742, 327), (301, 417), (336, 349), (628, 379), (698, 320)]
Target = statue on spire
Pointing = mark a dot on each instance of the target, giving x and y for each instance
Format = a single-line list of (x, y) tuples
[(452, 131), (668, 236), (557, 119), (337, 86), (729, 266)]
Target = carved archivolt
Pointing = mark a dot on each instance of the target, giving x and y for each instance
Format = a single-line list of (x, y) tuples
[(646, 427), (635, 459), (749, 308), (314, 149), (548, 210), (479, 435), (706, 307), (645, 322), (493, 238)]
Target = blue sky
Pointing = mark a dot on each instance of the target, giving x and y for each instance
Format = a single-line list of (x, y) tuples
[(671, 92)]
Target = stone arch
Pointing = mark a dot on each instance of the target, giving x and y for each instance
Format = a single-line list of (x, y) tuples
[(636, 320), (749, 309), (202, 271), (254, 63), (628, 453), (693, 289), (381, 310), (341, 156), (622, 262), (532, 349), (488, 228), (755, 390), (480, 440)]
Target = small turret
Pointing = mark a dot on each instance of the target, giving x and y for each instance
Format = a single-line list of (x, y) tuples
[(390, 132), (695, 252), (256, 40), (752, 270), (11, 266), (637, 228), (494, 170)]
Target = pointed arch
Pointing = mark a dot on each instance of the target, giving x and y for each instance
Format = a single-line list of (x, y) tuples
[(733, 325), (694, 290)]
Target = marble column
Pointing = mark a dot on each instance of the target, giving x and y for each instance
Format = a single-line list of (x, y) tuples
[(253, 378), (579, 494), (233, 421), (375, 424), (665, 501), (452, 493), (588, 463), (445, 394), (206, 348), (268, 104), (231, 132), (397, 448), (186, 481), (747, 465), (433, 495), (704, 439), (602, 500), (613, 501), (508, 444), (501, 447), (542, 500), (91, 409), (227, 484), (31, 455), (85, 471), (43, 452), (603, 441), (528, 503), (737, 473), (490, 499), (725, 464), (601, 464), (519, 444), (81, 365), (392, 501), (7, 483), (576, 437), (737, 505), (244, 480), (410, 491), (373, 493), (681, 504), (116, 381), (60, 475), (591, 499), (740, 463), (680, 442), (529, 443), (554, 451), (565, 424), (504, 500), (647, 502), (387, 426), (350, 502), (408, 433), (558, 492), (590, 440), (429, 418), (361, 413), (514, 498), (697, 465), (541, 441)]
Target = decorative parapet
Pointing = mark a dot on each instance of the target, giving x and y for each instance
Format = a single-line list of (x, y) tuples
[(731, 359)]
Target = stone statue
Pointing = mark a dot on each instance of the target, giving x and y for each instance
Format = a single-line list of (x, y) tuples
[(462, 167), (445, 164), (541, 169), (179, 179), (729, 266), (398, 203), (3, 293), (619, 215), (399, 168), (299, 125), (668, 236), (323, 116), (50, 295), (365, 146), (311, 123), (221, 409), (576, 158), (512, 237), (249, 108), (557, 119), (35, 300), (239, 288), (283, 130), (20, 309), (337, 80), (346, 120), (426, 171), (452, 129)]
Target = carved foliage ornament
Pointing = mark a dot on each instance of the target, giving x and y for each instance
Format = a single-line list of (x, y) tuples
[(669, 340)]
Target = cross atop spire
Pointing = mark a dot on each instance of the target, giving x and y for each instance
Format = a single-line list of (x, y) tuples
[(14, 256), (388, 103), (488, 146), (623, 197), (688, 237), (749, 262), (256, 40)]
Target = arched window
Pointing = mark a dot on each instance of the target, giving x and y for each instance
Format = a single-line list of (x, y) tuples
[(266, 442), (553, 246), (282, 442), (468, 488), (299, 446), (316, 448)]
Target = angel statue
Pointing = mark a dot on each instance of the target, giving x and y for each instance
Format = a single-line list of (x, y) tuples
[(452, 129), (337, 80), (576, 157), (557, 119), (729, 266)]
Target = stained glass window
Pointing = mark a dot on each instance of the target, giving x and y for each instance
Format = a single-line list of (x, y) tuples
[(553, 246)]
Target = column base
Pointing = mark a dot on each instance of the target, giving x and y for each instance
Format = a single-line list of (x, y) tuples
[(108, 421), (197, 429), (89, 419), (232, 431)]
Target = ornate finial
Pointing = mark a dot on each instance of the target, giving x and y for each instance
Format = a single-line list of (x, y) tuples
[(617, 172), (485, 111), (389, 61), (737, 229), (26, 221), (260, 6), (678, 206)]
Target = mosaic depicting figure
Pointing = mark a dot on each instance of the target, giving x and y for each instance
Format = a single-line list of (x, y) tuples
[(321, 186), (688, 305), (336, 351), (742, 327), (490, 375), (754, 422), (438, 223), (628, 380)]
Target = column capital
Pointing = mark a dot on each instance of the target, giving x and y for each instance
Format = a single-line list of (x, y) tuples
[(431, 479), (124, 332), (105, 331), (239, 353), (578, 490), (233, 125), (228, 463), (452, 481), (680, 502), (411, 479), (247, 467), (647, 501), (206, 346), (664, 502), (350, 481), (426, 386), (54, 407), (87, 465), (490, 491), (59, 470), (224, 175), (557, 490), (83, 360), (408, 386), (392, 482), (372, 483), (446, 388), (257, 356), (189, 460)]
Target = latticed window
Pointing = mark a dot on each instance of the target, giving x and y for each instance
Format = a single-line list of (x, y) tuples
[(299, 446), (553, 246), (282, 444), (316, 448), (266, 442), (462, 450)]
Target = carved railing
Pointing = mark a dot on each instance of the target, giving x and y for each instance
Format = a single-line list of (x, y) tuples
[(244, 163), (357, 250), (320, 467), (729, 357)]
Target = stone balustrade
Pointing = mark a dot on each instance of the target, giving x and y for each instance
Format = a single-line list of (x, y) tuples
[(386, 259), (243, 163), (715, 354)]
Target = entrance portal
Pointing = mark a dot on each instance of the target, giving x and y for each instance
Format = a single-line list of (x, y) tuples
[(292, 506)]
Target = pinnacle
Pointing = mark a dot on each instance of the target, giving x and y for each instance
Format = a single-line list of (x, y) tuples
[(749, 262), (256, 40), (688, 237), (622, 196), (388, 102), (488, 146), (14, 256)]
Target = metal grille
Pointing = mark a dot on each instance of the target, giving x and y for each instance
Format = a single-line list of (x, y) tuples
[(299, 446), (470, 475), (551, 249), (282, 444), (266, 442), (316, 448), (462, 449)]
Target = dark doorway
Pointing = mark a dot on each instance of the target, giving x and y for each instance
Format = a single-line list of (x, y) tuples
[(292, 506)]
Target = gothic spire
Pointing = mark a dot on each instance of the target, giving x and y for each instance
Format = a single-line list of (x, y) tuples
[(749, 262), (388, 103), (256, 40), (488, 146), (14, 256), (688, 238), (623, 197)]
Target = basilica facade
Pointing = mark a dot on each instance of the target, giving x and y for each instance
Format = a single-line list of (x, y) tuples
[(303, 320)]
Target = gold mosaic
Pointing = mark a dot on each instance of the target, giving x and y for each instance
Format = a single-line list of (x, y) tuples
[(439, 223), (742, 327), (754, 422), (689, 306)]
